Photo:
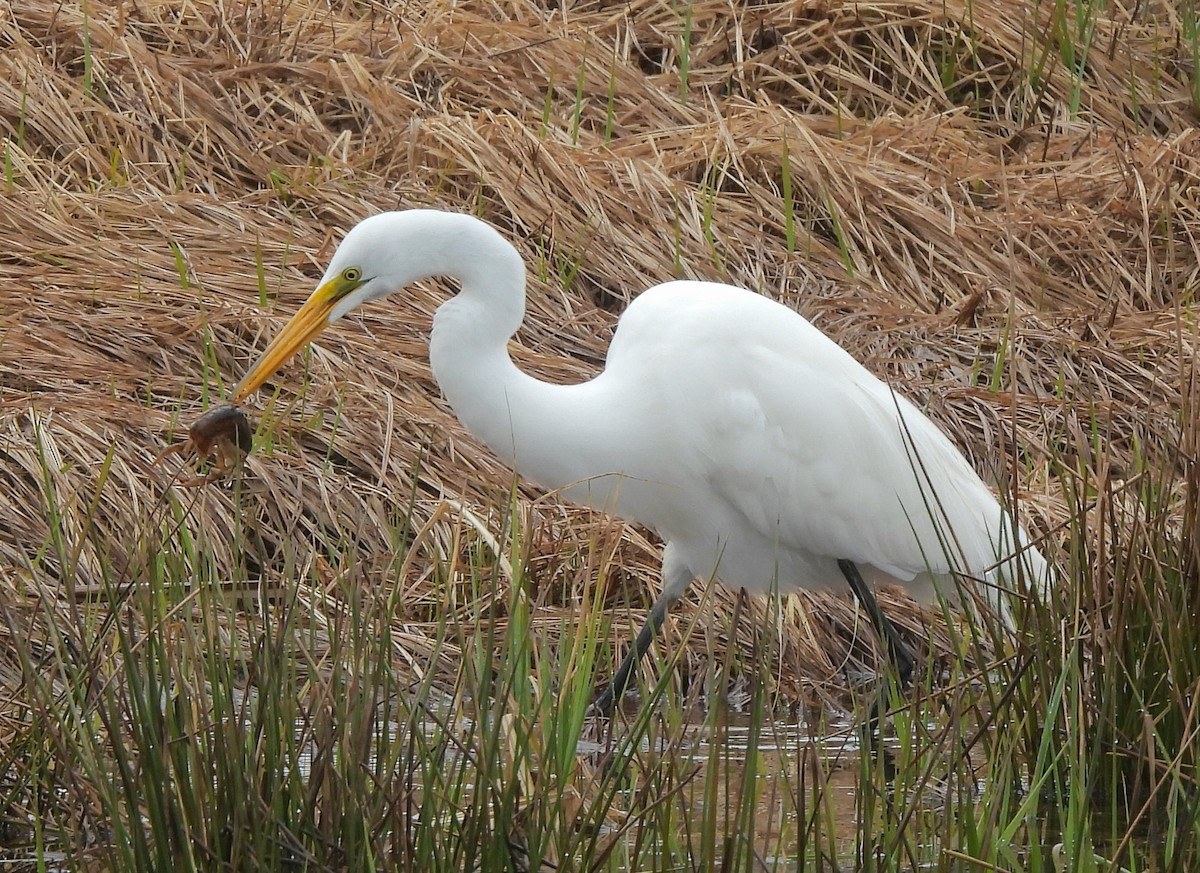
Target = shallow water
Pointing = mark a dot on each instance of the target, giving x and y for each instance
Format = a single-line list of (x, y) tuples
[(802, 773), (807, 771)]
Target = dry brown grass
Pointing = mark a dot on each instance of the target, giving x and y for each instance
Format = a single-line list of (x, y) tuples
[(953, 219)]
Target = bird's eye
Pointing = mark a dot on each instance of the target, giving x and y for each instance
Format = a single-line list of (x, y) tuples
[(352, 274)]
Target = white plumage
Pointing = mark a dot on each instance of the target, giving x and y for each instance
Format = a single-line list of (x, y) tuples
[(759, 450)]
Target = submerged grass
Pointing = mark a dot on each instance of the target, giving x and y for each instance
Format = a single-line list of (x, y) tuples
[(371, 651), (178, 719)]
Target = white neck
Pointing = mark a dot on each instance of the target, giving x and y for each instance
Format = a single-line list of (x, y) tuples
[(523, 420)]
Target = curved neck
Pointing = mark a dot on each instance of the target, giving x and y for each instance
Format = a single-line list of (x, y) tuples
[(559, 436), (468, 348)]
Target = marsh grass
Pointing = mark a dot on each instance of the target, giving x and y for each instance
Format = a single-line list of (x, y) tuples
[(177, 718), (371, 651), (178, 721)]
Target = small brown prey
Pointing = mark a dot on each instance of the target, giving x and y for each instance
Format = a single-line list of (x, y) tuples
[(222, 434)]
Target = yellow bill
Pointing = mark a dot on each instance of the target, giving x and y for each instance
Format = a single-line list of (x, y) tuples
[(309, 320)]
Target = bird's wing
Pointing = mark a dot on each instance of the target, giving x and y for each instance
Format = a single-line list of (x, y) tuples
[(815, 453), (837, 464)]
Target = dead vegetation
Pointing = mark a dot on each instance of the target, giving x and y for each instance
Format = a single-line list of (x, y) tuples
[(993, 205)]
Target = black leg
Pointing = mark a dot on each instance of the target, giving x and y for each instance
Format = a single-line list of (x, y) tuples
[(899, 655), (676, 577), (606, 702)]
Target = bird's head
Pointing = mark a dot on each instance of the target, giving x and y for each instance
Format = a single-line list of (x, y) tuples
[(376, 258)]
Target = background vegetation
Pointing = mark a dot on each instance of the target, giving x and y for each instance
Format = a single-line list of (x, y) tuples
[(371, 650)]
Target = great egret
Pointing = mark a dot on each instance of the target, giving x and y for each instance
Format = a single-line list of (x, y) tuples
[(760, 451)]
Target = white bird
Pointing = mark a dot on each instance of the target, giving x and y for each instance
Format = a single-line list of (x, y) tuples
[(760, 451)]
